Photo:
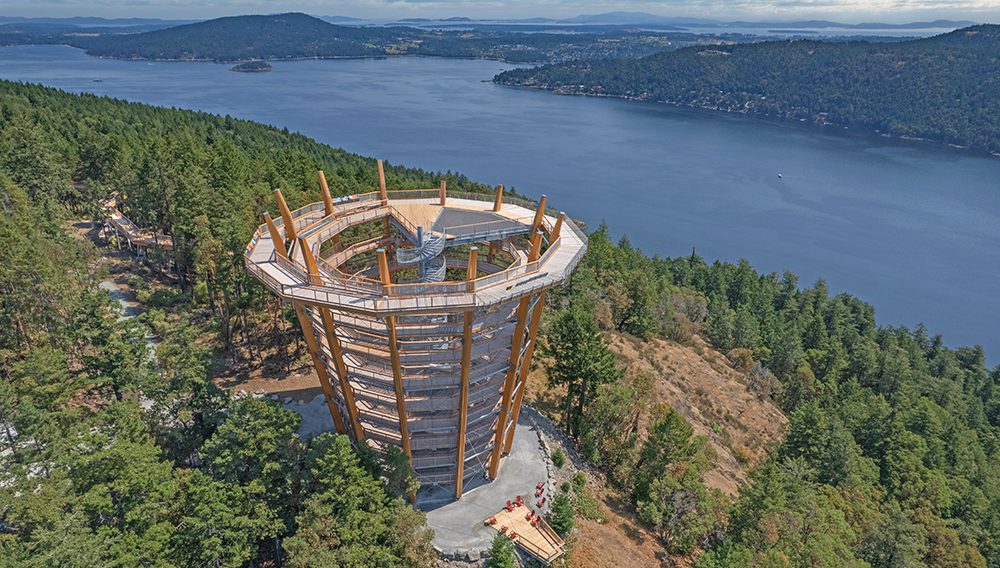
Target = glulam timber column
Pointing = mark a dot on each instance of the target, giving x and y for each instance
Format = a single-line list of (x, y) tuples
[(436, 369)]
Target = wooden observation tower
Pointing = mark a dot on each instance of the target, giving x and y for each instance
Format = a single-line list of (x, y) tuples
[(420, 310)]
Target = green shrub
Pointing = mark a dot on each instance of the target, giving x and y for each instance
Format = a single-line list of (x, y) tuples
[(559, 458)]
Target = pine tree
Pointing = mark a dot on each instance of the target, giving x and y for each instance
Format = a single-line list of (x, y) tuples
[(579, 360), (501, 552)]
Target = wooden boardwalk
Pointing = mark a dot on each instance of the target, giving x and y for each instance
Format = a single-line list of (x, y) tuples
[(135, 235)]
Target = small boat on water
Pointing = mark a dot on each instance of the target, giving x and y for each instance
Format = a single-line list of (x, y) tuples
[(780, 176)]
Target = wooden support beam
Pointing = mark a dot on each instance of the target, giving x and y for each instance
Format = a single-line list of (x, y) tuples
[(539, 213), (383, 272), (508, 386), (492, 252), (310, 261), (381, 183), (498, 200), (397, 380), (557, 228), (444, 188), (324, 379), (327, 198), (397, 368), (472, 268), (279, 241), (536, 316), (342, 376), (463, 398), (536, 246), (286, 216), (347, 392), (518, 373)]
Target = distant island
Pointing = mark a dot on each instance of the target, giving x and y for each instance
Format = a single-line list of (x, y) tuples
[(944, 88), (291, 36), (252, 67)]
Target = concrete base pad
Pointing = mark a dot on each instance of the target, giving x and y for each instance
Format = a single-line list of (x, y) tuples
[(458, 525)]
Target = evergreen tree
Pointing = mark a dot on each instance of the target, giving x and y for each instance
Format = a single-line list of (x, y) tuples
[(579, 360), (501, 553)]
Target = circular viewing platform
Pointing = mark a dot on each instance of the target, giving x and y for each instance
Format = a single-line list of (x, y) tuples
[(420, 309), (464, 219)]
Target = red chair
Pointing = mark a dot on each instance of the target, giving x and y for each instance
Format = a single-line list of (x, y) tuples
[(541, 502), (503, 528), (540, 485), (538, 492), (519, 501)]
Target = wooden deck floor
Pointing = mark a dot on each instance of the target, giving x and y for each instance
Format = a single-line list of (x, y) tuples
[(541, 542)]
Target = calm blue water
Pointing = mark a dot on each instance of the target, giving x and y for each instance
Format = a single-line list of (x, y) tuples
[(912, 228)]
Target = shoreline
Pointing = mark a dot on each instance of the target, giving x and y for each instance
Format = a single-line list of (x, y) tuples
[(768, 117)]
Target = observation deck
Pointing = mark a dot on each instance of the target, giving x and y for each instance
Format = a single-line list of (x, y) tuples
[(437, 368)]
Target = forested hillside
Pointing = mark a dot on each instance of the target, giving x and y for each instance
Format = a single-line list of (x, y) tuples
[(117, 458), (945, 88), (890, 457), (299, 36), (111, 457)]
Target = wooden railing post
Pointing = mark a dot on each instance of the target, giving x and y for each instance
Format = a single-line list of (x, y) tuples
[(444, 186)]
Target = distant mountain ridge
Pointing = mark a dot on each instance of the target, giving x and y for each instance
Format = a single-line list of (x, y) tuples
[(944, 88), (280, 36), (299, 36)]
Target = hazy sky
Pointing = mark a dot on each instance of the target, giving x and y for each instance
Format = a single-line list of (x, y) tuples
[(842, 10)]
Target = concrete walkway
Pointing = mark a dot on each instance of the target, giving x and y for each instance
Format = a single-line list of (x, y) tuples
[(458, 525)]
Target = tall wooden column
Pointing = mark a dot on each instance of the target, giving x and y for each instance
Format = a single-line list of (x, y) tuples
[(539, 213), (324, 379), (463, 398), (279, 241), (397, 368), (327, 198), (510, 381), (286, 216), (536, 316), (346, 391), (508, 386), (441, 193), (381, 183), (498, 200)]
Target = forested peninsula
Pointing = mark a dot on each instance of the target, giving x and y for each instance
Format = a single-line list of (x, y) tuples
[(944, 88), (114, 457), (300, 36)]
